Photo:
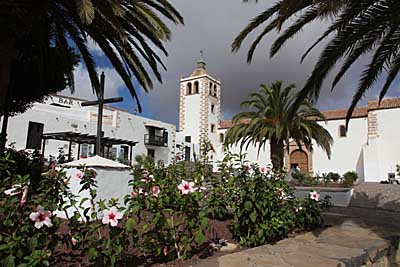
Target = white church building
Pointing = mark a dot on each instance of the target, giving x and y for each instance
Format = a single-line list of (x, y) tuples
[(371, 146)]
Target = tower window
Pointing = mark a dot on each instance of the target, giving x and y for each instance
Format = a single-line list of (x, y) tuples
[(188, 88), (188, 139), (211, 87), (342, 131), (212, 108), (221, 137), (215, 90), (213, 128), (196, 87)]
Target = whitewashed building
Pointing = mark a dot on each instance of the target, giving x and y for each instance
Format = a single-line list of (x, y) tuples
[(371, 147), (60, 116)]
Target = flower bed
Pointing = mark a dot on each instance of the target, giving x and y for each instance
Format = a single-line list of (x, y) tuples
[(340, 197), (166, 217)]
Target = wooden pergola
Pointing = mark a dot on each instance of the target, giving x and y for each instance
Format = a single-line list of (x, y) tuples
[(81, 138)]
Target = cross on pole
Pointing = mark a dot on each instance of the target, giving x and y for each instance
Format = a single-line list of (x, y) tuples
[(100, 102)]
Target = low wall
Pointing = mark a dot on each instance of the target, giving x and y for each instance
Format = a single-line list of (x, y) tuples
[(340, 197)]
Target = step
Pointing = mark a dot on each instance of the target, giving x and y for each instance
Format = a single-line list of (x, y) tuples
[(347, 245)]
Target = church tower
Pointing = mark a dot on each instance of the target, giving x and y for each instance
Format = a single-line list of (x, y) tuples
[(199, 106)]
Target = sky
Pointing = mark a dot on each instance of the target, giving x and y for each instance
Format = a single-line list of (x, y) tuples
[(211, 26)]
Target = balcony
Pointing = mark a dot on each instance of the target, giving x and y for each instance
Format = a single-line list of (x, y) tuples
[(155, 140)]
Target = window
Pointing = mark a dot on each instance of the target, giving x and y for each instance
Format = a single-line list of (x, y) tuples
[(215, 90), (212, 108), (188, 139), (196, 87), (188, 88), (213, 128), (34, 139), (342, 131), (221, 137), (151, 153), (124, 152), (84, 151)]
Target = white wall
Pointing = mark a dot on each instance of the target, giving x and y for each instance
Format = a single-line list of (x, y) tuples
[(119, 124), (388, 141), (347, 152), (263, 158)]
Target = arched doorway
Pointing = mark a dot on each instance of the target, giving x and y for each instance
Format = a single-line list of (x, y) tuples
[(299, 159)]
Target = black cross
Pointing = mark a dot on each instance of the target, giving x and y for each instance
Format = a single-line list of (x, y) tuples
[(100, 101)]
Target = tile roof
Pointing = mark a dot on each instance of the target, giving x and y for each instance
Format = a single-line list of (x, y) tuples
[(338, 114)]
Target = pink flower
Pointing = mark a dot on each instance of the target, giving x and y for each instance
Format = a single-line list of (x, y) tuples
[(78, 175), (314, 195), (156, 190), (74, 241), (134, 194), (41, 217), (263, 170), (111, 216), (186, 187), (24, 195)]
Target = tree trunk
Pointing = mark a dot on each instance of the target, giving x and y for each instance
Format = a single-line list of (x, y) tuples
[(3, 134), (7, 55), (277, 154)]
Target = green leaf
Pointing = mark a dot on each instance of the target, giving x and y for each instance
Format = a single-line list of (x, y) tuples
[(253, 216), (130, 225), (33, 242), (9, 261), (92, 253), (200, 237), (248, 205), (204, 222)]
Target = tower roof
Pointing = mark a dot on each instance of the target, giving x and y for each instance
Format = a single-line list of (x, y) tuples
[(201, 66)]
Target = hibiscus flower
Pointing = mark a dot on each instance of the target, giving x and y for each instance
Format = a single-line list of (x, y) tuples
[(263, 170), (112, 216), (78, 175), (156, 190), (314, 195), (186, 187), (41, 217)]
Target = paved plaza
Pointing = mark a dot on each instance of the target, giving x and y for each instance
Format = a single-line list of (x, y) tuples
[(364, 234)]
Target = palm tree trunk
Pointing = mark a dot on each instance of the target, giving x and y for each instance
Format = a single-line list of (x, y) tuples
[(277, 154), (7, 55)]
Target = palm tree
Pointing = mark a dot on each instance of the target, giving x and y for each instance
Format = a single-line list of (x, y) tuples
[(357, 28), (272, 116), (128, 32)]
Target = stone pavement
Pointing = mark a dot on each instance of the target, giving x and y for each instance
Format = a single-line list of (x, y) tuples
[(375, 195), (364, 234)]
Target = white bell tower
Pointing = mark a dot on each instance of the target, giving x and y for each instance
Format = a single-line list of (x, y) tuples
[(199, 106)]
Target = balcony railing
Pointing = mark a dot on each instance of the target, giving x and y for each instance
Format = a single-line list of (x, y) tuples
[(154, 140)]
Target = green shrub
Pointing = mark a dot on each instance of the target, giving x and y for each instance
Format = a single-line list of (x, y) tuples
[(349, 178), (304, 179), (167, 201), (332, 176), (265, 209)]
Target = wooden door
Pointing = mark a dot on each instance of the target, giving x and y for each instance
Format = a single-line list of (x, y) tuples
[(299, 158)]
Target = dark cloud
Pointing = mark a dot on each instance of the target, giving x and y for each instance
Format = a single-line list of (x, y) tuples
[(211, 26)]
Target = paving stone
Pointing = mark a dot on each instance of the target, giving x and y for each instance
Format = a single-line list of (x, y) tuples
[(366, 234)]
